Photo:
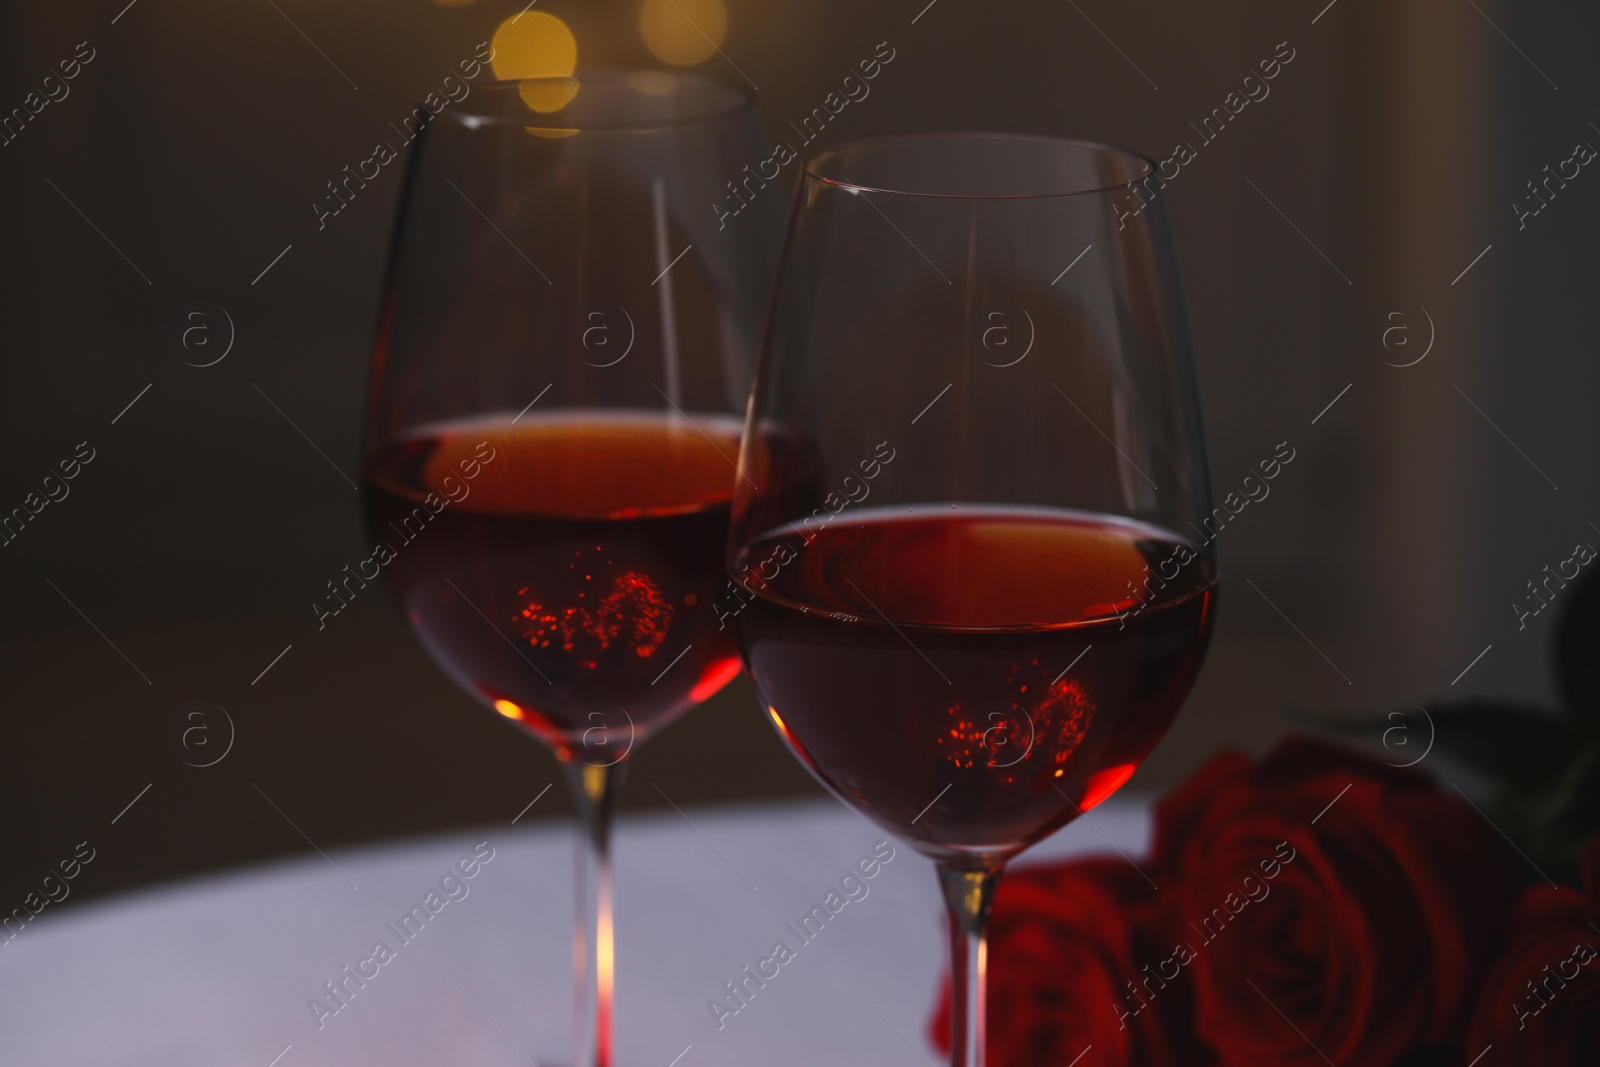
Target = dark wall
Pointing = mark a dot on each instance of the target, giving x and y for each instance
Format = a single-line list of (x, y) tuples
[(186, 556)]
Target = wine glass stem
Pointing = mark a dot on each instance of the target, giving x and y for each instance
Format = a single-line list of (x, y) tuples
[(594, 792), (968, 895)]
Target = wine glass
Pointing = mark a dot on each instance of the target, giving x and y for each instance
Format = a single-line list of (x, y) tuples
[(974, 583), (552, 428)]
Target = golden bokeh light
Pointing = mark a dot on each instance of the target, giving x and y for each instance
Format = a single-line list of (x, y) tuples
[(545, 95), (534, 45), (508, 709), (683, 32)]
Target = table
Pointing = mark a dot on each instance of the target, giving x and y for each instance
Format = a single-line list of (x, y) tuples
[(219, 971)]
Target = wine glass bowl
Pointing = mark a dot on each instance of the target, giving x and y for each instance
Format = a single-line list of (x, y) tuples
[(972, 712), (589, 539), (563, 314), (973, 580)]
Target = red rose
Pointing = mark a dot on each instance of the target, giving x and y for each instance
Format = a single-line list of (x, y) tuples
[(1065, 943), (1541, 1005), (1338, 909)]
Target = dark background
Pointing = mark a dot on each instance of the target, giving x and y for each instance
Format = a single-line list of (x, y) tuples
[(199, 136)]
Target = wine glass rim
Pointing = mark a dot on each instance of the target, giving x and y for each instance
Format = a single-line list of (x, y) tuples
[(735, 98), (1147, 166)]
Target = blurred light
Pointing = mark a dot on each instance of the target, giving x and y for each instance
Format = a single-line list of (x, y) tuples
[(508, 709), (548, 94), (534, 45), (552, 132), (683, 32)]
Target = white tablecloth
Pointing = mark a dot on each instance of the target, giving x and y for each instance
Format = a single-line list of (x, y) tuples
[(219, 971)]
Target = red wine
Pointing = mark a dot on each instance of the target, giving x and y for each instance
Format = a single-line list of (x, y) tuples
[(972, 678), (566, 577)]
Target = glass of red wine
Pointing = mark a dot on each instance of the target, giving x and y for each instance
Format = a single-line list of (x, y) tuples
[(564, 349), (970, 571)]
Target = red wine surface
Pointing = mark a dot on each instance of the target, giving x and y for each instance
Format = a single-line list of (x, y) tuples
[(563, 569), (972, 679)]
